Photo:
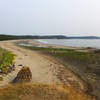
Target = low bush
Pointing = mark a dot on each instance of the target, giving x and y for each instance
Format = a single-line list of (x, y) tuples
[(6, 58)]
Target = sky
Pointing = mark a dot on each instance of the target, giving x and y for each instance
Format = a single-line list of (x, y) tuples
[(50, 17)]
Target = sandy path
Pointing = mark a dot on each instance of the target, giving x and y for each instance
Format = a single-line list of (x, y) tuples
[(40, 66)]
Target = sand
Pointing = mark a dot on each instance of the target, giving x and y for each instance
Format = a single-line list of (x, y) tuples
[(44, 68)]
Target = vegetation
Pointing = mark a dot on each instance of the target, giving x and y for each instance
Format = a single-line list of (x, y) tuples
[(28, 91), (46, 49), (6, 58), (71, 54), (14, 37)]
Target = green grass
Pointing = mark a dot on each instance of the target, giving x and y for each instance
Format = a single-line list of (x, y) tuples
[(6, 58), (48, 49), (68, 53)]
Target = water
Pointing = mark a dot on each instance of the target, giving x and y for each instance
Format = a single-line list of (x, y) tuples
[(28, 45), (94, 43)]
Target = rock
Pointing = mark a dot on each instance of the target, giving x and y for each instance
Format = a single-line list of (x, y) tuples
[(24, 75)]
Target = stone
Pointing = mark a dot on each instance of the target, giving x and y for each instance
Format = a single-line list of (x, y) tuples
[(24, 75)]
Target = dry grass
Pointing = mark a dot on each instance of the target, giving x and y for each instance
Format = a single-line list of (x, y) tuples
[(28, 91)]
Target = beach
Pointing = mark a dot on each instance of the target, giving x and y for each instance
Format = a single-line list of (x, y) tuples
[(38, 64), (44, 68)]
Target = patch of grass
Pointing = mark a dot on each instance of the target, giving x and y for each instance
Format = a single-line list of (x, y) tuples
[(77, 56), (48, 49), (68, 53), (6, 58)]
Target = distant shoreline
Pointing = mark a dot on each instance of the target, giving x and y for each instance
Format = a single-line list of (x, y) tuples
[(17, 37)]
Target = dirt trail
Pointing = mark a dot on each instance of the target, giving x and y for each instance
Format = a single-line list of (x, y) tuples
[(44, 69)]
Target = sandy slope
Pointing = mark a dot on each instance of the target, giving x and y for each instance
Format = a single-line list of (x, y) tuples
[(44, 69)]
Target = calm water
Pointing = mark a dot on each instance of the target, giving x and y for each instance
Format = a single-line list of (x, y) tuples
[(95, 43)]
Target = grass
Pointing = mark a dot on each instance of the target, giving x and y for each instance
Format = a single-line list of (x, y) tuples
[(68, 53), (28, 91), (6, 58), (46, 48)]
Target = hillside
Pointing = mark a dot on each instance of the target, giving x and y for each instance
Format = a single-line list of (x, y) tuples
[(14, 37)]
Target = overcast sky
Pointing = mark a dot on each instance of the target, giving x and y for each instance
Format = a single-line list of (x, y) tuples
[(48, 17)]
